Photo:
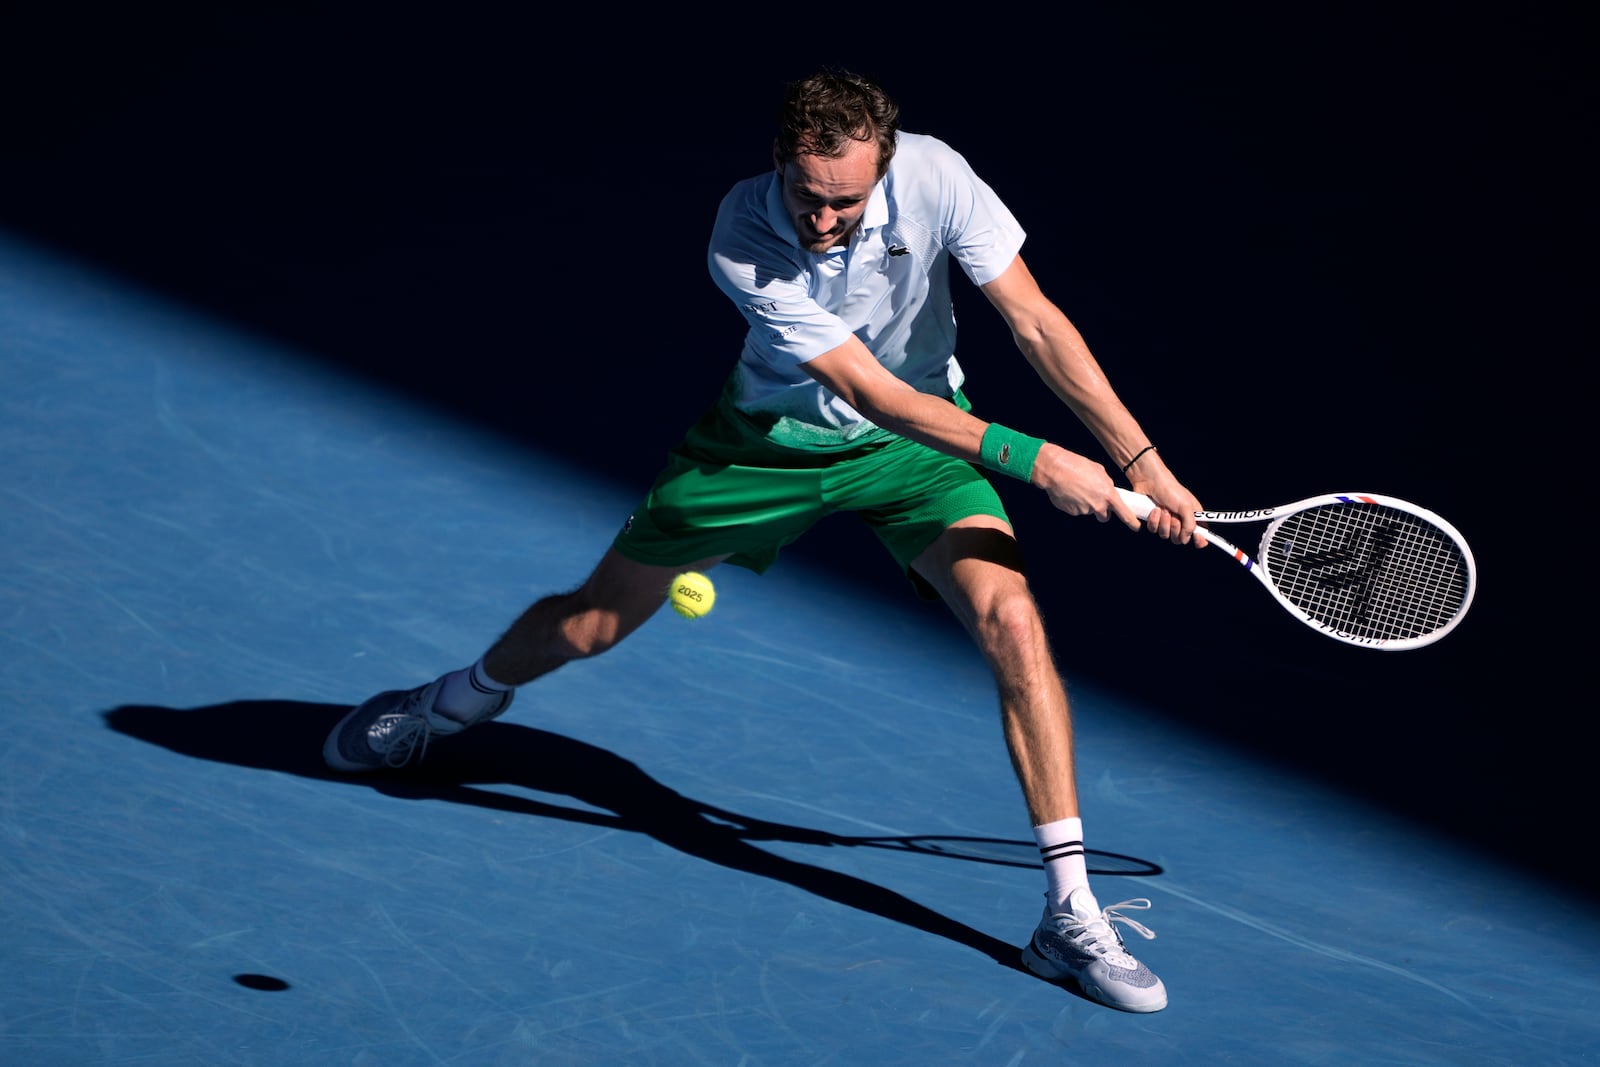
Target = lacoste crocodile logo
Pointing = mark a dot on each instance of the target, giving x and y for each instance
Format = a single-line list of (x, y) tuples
[(899, 250)]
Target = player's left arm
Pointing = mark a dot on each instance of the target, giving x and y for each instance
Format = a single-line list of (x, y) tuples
[(1061, 357)]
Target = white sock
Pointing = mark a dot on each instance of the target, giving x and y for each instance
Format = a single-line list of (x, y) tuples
[(468, 693), (1061, 852)]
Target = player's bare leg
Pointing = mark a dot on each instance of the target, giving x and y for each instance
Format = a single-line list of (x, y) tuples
[(616, 599), (977, 568), (394, 727)]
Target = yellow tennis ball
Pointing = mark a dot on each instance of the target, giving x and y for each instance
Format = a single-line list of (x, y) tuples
[(692, 594)]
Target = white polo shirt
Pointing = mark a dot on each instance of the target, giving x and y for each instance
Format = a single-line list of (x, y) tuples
[(890, 286)]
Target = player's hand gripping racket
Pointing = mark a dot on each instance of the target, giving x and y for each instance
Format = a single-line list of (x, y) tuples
[(1365, 569)]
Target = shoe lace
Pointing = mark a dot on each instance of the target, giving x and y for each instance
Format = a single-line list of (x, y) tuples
[(402, 735), (1098, 936)]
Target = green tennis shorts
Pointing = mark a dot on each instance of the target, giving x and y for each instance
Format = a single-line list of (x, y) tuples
[(727, 489)]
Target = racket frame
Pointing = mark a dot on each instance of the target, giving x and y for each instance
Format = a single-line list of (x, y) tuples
[(1143, 505)]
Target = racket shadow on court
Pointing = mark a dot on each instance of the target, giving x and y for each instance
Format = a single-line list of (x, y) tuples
[(465, 769)]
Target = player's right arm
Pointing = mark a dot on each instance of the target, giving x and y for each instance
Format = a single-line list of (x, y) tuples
[(1076, 484)]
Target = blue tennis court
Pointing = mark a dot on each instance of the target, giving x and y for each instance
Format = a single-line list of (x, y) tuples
[(261, 460), (675, 854)]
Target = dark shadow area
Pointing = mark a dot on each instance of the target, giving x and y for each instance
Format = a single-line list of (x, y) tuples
[(469, 768), (1315, 253)]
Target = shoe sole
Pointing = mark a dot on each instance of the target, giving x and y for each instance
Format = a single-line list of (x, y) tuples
[(1044, 968)]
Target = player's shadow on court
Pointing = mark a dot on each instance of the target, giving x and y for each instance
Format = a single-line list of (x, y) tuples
[(287, 736)]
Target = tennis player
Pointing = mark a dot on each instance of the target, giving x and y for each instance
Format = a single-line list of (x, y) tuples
[(847, 396)]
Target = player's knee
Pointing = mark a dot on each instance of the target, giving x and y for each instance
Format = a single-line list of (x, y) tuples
[(583, 627), (1010, 619), (595, 631)]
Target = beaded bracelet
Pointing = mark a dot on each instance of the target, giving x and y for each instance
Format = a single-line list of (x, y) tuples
[(1136, 455)]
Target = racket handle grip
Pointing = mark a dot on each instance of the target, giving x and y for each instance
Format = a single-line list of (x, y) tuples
[(1142, 505)]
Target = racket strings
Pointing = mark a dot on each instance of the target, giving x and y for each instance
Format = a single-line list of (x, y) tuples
[(1371, 571)]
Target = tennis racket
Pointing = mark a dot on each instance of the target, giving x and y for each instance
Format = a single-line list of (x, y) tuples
[(1365, 569)]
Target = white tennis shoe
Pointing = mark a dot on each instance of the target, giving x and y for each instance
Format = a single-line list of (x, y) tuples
[(393, 728), (1080, 943)]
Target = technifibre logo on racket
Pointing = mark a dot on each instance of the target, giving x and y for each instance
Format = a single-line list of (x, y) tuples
[(1234, 516)]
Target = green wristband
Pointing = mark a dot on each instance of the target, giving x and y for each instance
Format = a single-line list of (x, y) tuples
[(1009, 452)]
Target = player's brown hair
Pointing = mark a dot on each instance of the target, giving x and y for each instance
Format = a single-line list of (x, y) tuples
[(823, 112)]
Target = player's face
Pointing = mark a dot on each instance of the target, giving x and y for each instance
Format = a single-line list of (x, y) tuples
[(825, 197)]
